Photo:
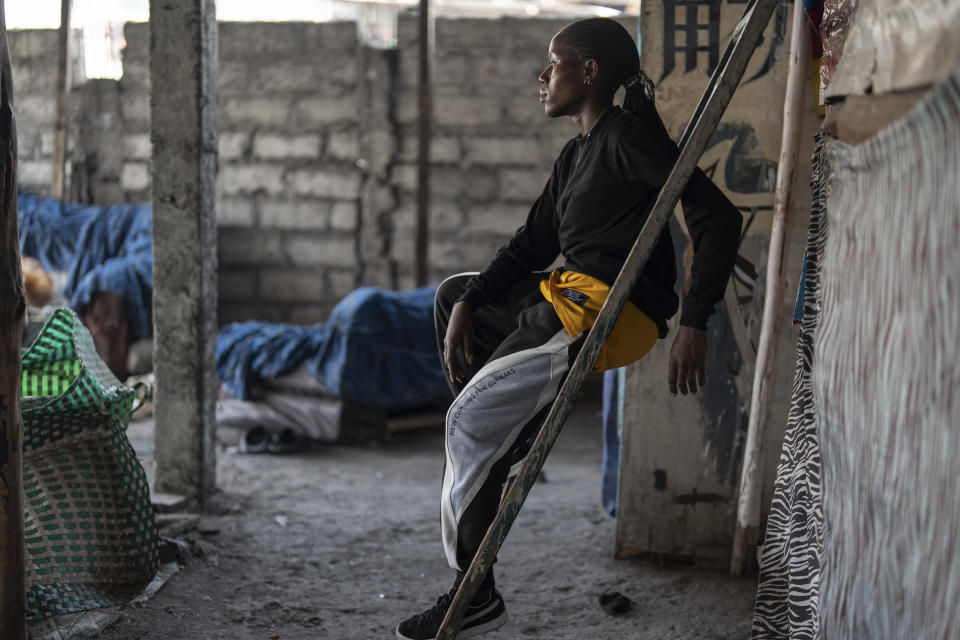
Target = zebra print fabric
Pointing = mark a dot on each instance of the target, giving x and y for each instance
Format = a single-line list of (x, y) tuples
[(787, 595)]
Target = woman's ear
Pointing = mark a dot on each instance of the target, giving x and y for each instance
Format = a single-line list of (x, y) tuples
[(590, 71)]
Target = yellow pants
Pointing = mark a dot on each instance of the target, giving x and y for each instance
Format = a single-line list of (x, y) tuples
[(577, 299)]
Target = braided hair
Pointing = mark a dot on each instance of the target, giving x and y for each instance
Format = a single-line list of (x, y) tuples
[(606, 41)]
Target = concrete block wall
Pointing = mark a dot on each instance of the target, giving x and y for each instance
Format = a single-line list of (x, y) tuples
[(33, 53), (290, 166), (317, 152)]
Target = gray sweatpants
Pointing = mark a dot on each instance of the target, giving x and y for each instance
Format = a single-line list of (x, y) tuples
[(521, 354)]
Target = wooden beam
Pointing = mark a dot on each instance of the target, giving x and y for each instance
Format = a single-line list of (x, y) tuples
[(425, 99), (60, 121), (747, 532), (724, 82), (12, 312)]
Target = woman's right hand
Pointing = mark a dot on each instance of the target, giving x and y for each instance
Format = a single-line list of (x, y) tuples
[(459, 334)]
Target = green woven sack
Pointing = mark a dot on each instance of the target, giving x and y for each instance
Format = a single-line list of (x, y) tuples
[(90, 534)]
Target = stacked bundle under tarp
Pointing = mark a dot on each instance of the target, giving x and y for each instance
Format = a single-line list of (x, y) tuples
[(104, 249), (377, 350)]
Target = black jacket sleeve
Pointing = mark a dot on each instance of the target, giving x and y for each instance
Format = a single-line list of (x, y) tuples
[(534, 246), (648, 154)]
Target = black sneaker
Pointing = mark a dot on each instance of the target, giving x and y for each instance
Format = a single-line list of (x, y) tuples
[(485, 614)]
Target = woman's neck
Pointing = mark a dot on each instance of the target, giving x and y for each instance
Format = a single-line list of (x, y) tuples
[(589, 115)]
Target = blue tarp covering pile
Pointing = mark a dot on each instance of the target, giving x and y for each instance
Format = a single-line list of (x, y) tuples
[(104, 249), (377, 348)]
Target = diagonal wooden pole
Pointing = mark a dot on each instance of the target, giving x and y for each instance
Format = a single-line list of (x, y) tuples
[(13, 620), (725, 79)]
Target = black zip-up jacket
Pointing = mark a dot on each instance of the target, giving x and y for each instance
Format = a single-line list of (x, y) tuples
[(599, 195)]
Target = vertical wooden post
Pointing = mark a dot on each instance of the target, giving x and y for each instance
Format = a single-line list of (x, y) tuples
[(12, 312), (183, 131), (60, 122), (426, 48), (746, 534)]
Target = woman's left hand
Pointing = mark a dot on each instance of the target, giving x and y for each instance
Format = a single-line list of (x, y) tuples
[(688, 361)]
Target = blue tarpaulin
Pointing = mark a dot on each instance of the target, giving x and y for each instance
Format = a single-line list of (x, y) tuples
[(377, 348), (103, 248)]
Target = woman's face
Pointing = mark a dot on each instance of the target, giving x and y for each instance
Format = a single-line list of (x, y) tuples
[(563, 91)]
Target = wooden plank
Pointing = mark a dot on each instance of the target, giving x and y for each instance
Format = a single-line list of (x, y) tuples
[(724, 82), (12, 314), (747, 532), (425, 100), (60, 121)]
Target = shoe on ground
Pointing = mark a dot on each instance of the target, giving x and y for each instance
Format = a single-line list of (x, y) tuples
[(486, 613)]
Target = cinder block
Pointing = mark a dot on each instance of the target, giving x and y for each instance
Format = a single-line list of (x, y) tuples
[(293, 284), (233, 76), (471, 34), (254, 111), (408, 110), (470, 253), (136, 36), (499, 218), (474, 184), (235, 284), (233, 146), (311, 215), (322, 249), (522, 110), (135, 176), (501, 151), (136, 75), (32, 76), (340, 35), (344, 145), (35, 172), (135, 108), (46, 143), (38, 110), (342, 282), (249, 247), (327, 110), (229, 311), (272, 146), (404, 176), (345, 216), (522, 185), (313, 313), (443, 149), (137, 146), (336, 184), (235, 212), (377, 198), (459, 110), (251, 40), (284, 75), (251, 178), (378, 148), (446, 215), (32, 43)]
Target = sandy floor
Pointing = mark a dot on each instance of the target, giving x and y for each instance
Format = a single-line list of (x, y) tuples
[(342, 543)]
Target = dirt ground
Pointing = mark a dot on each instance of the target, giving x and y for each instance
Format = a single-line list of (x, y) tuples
[(341, 543)]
